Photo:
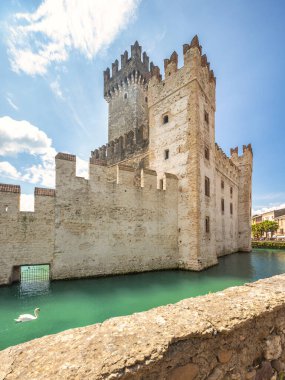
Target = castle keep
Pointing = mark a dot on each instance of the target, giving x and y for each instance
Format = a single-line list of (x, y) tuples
[(161, 193)]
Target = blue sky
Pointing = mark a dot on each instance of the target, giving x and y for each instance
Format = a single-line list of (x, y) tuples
[(53, 53)]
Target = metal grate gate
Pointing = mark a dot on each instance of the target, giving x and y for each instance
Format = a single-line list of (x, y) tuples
[(35, 273)]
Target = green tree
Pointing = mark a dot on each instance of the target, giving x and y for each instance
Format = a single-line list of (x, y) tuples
[(255, 231), (272, 227), (267, 226)]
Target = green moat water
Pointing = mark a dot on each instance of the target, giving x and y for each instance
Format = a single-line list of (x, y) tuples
[(74, 303)]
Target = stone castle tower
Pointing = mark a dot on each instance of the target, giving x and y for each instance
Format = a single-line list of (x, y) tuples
[(126, 93), (161, 194), (177, 115)]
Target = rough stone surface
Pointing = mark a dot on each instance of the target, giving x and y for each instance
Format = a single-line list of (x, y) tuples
[(186, 372), (273, 348), (164, 343), (225, 356)]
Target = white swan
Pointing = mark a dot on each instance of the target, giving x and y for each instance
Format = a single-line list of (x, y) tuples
[(28, 317)]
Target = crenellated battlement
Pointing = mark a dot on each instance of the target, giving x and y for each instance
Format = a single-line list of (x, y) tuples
[(224, 163), (122, 172), (245, 149), (121, 148), (193, 57), (10, 200), (196, 68), (246, 156), (133, 70)]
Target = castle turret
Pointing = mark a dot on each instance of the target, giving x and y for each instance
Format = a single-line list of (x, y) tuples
[(244, 163), (126, 93)]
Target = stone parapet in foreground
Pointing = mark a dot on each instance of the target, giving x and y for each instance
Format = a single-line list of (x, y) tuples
[(235, 334)]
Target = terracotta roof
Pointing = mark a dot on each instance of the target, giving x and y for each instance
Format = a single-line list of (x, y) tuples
[(9, 188), (44, 192), (66, 156)]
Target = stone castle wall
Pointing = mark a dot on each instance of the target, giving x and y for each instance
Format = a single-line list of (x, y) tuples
[(25, 237), (193, 339), (116, 222), (226, 189)]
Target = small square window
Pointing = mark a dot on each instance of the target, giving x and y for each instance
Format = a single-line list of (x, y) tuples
[(166, 154), (207, 186), (207, 224), (206, 117), (165, 119), (207, 153)]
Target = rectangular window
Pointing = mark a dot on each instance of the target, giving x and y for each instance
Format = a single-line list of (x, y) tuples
[(207, 153), (207, 186), (207, 224), (166, 154), (231, 191), (231, 208), (222, 184), (161, 184), (223, 205), (165, 119), (206, 117)]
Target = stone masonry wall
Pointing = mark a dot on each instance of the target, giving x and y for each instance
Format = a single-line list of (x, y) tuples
[(193, 339), (117, 222), (184, 96), (226, 188), (25, 237)]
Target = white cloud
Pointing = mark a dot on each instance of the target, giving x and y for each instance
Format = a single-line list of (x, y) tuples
[(267, 209), (17, 137), (12, 104), (57, 26), (56, 89), (82, 168), (27, 202), (9, 171), (22, 137)]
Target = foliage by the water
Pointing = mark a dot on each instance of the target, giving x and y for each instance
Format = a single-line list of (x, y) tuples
[(268, 244), (266, 226)]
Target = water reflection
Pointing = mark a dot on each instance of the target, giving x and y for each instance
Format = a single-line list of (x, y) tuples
[(33, 289)]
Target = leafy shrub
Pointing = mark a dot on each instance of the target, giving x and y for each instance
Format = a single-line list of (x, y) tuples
[(268, 244)]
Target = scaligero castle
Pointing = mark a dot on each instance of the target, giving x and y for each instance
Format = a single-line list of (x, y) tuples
[(161, 193)]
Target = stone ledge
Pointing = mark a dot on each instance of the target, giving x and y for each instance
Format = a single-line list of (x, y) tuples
[(225, 335)]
